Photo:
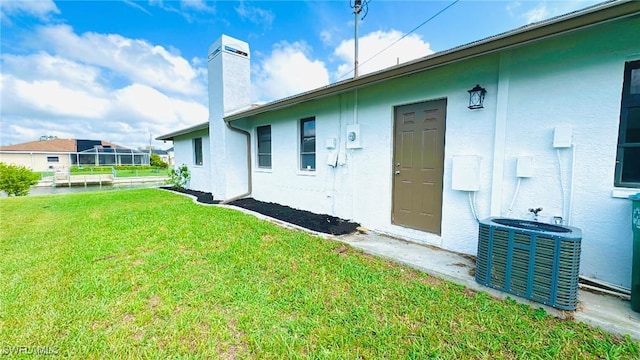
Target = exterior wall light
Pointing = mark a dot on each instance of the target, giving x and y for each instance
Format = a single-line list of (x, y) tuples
[(476, 97)]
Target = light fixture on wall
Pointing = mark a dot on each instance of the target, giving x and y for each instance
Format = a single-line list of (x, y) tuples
[(476, 97)]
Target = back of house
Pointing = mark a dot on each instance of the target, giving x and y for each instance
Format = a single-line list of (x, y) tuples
[(545, 116)]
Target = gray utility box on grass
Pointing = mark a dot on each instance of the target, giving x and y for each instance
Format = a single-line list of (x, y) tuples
[(538, 261)]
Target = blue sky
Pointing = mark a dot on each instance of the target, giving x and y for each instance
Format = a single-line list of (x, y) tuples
[(122, 70)]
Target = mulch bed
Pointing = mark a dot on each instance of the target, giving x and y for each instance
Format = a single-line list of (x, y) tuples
[(202, 197), (322, 223)]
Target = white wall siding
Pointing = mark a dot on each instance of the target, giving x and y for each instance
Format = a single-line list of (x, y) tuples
[(184, 154), (574, 79)]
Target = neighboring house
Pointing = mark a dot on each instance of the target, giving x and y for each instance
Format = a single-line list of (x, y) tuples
[(562, 105), (171, 156), (60, 154)]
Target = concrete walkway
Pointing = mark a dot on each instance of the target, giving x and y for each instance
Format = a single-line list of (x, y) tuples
[(609, 313)]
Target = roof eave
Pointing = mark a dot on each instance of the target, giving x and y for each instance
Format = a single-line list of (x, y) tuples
[(172, 135), (571, 22)]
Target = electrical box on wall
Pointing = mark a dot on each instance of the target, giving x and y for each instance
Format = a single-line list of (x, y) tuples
[(465, 173), (524, 166), (354, 138), (562, 136), (332, 158), (331, 143)]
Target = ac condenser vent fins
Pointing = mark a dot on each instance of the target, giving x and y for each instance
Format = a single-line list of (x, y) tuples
[(540, 262)]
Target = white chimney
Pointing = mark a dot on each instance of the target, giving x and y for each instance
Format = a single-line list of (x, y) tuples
[(229, 91)]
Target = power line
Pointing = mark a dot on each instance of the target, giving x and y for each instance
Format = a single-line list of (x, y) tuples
[(403, 36)]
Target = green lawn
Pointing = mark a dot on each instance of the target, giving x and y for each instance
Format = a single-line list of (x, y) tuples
[(148, 274)]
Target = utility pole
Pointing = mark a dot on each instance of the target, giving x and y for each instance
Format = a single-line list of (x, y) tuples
[(356, 12), (357, 7)]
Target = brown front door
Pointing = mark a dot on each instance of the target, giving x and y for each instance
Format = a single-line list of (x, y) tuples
[(418, 165)]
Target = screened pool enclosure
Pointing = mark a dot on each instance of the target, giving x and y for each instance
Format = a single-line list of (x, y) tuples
[(108, 156)]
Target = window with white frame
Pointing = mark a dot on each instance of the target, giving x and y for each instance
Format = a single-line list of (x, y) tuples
[(628, 158), (53, 159), (264, 146), (197, 151), (308, 144)]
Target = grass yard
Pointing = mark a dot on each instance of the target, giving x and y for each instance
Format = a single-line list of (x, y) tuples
[(148, 274)]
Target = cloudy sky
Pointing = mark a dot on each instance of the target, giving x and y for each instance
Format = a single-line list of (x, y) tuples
[(124, 70)]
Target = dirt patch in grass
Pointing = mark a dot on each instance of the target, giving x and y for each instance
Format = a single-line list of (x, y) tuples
[(154, 302), (138, 262), (469, 292), (341, 250)]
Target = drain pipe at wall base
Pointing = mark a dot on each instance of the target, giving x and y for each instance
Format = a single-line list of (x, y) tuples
[(249, 178)]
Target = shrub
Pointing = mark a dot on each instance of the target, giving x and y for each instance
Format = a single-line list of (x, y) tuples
[(179, 177), (17, 180), (156, 161)]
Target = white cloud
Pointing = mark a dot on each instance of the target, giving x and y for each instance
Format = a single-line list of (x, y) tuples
[(371, 58), (154, 107), (98, 86), (42, 65), (41, 9), (133, 58), (536, 14), (255, 15), (326, 37), (198, 5), (51, 98), (534, 11), (137, 6), (287, 71)]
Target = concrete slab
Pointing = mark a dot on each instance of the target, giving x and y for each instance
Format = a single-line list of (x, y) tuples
[(606, 312)]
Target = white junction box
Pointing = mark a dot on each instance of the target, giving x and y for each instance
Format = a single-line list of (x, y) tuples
[(332, 158), (524, 166), (562, 136), (465, 172), (331, 143)]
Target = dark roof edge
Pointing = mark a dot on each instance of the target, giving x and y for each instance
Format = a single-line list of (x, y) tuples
[(191, 129), (590, 16)]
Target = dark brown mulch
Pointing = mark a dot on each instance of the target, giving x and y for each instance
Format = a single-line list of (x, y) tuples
[(323, 223), (202, 197), (326, 224)]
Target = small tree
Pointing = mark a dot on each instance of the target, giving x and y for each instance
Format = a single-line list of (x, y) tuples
[(156, 161), (17, 180), (179, 176)]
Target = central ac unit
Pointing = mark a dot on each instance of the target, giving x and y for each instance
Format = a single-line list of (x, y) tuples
[(538, 261)]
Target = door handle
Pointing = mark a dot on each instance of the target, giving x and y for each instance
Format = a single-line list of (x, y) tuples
[(397, 172)]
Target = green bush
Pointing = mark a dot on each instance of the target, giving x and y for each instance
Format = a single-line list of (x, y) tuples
[(156, 161), (179, 177), (17, 180)]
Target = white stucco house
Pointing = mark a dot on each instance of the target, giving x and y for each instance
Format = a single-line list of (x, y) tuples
[(401, 152)]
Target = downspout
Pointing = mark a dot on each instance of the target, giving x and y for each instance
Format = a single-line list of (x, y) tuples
[(249, 177)]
